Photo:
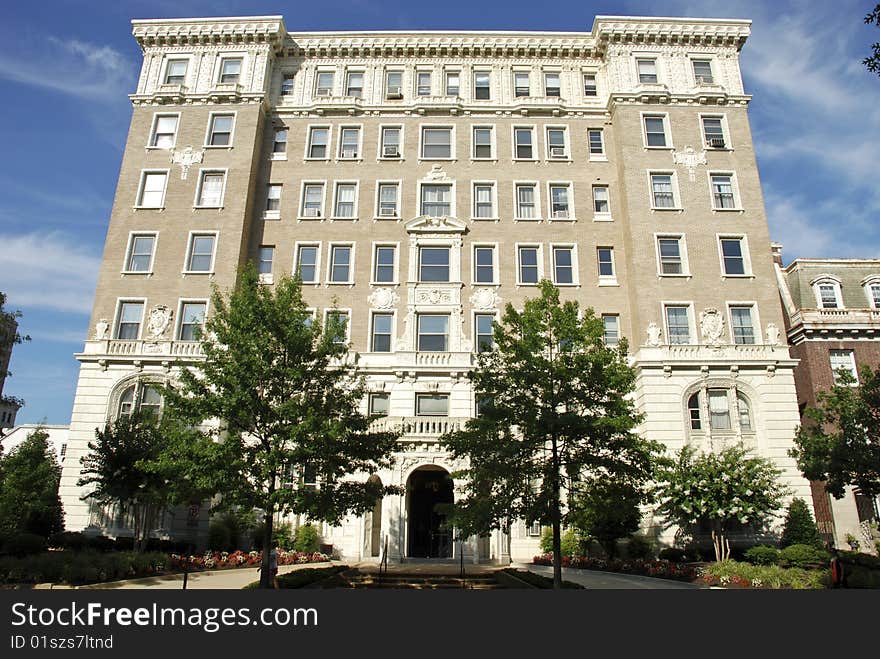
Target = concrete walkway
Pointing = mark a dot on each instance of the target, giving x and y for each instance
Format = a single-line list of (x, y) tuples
[(596, 580)]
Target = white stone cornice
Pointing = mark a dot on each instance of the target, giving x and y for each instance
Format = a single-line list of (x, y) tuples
[(194, 31), (625, 29)]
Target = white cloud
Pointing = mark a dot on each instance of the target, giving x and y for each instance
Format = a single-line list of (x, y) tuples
[(48, 271)]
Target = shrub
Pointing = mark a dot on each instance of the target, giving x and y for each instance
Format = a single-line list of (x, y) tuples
[(24, 544), (219, 536), (734, 573), (547, 541), (306, 539), (101, 543), (570, 543), (762, 555), (71, 540), (672, 554), (803, 556), (639, 547), (283, 536), (125, 543), (800, 529)]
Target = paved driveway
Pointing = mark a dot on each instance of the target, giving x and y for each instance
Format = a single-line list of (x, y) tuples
[(595, 580)]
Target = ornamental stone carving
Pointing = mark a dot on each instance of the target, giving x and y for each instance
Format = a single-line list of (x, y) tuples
[(689, 158), (436, 174), (186, 159), (772, 334), (485, 298), (383, 298), (654, 333), (159, 321), (711, 326), (434, 296), (101, 328)]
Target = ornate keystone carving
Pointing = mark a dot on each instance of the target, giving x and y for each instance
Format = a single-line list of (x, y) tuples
[(485, 298), (654, 333), (689, 158), (711, 326), (186, 159), (772, 334), (101, 328), (383, 298), (158, 322)]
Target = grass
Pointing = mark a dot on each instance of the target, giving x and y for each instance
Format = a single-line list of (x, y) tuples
[(766, 576), (303, 577)]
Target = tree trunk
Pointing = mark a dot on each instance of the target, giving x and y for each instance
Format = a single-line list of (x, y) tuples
[(265, 574), (556, 519)]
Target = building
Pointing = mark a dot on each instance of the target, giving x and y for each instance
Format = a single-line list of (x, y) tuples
[(832, 319), (57, 438), (426, 179)]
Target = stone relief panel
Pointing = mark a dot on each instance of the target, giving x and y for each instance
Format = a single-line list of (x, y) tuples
[(711, 326), (383, 298), (159, 321)]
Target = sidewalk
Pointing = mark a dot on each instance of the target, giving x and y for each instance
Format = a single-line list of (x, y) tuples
[(596, 580)]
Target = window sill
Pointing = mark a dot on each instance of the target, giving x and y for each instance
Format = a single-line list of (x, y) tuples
[(525, 160), (271, 215), (659, 148), (386, 218), (278, 156), (207, 208), (390, 158), (475, 159), (310, 218), (485, 219), (608, 282), (340, 283), (185, 273), (385, 283), (527, 219), (598, 158), (675, 209), (159, 148), (662, 275), (148, 208), (485, 283), (308, 159), (559, 159), (144, 273), (747, 276), (266, 278), (603, 218), (562, 219), (358, 159), (520, 284), (335, 218), (728, 210), (573, 284), (217, 146), (423, 159)]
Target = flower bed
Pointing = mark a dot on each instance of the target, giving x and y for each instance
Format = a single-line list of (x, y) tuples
[(648, 568), (733, 574), (223, 560)]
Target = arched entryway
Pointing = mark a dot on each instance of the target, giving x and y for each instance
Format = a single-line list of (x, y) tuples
[(373, 525), (429, 502)]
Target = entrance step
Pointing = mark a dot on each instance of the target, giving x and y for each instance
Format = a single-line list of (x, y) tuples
[(357, 579)]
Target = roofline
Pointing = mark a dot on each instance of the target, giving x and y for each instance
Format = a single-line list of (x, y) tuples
[(204, 19), (831, 262), (675, 19)]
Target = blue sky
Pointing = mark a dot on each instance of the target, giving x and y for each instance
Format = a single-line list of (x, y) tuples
[(66, 67)]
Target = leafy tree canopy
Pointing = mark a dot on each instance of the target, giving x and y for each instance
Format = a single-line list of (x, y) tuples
[(799, 528)]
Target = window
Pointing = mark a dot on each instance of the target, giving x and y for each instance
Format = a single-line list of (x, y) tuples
[(279, 142), (210, 193), (828, 297), (230, 70), (140, 253), (128, 322), (381, 332), (678, 325), (483, 331), (526, 205), (484, 206), (384, 264), (452, 83), (481, 85), (307, 263), (844, 360), (273, 197), (523, 147), (597, 144), (379, 404), (436, 200), (337, 326), (388, 193), (433, 264), (141, 397), (201, 253), (394, 85), (551, 84), (719, 409), (612, 329), (529, 271), (703, 71), (264, 259), (192, 318), (220, 131), (313, 199), (745, 414), (647, 70), (433, 333), (590, 84), (287, 85), (670, 254), (164, 131), (559, 208), (340, 264), (521, 85), (556, 143), (482, 142), (605, 258), (391, 142), (661, 191), (694, 411), (713, 132), (436, 143), (600, 200), (345, 204), (152, 190), (318, 141), (534, 529), (432, 404), (349, 143), (732, 255), (563, 265), (655, 131), (873, 291), (175, 71), (742, 325), (423, 83), (324, 83), (484, 265), (722, 191), (354, 84)]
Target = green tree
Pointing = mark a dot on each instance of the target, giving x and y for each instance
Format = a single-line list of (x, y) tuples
[(276, 396), (29, 501), (554, 409), (840, 441), (872, 62), (799, 527), (719, 489), (607, 510)]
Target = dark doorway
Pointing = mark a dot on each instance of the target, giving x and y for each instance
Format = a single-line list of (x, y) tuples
[(430, 500)]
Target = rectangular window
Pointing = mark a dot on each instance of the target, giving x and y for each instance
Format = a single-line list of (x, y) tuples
[(526, 206), (483, 331), (340, 264), (612, 329), (337, 326), (128, 323), (844, 360), (324, 83), (433, 333), (484, 206), (354, 84), (436, 200), (436, 143), (307, 263), (318, 141), (273, 197), (874, 295), (349, 143), (287, 85), (733, 257), (344, 205), (201, 253), (153, 190), (713, 132), (703, 71), (559, 208), (279, 141), (391, 142), (388, 193), (523, 144), (484, 265), (423, 83), (432, 404), (605, 257), (434, 264), (452, 83), (722, 191), (482, 142), (220, 133), (597, 144), (647, 70), (671, 261), (264, 259), (590, 84), (164, 131), (313, 199), (384, 272), (140, 253), (661, 191), (563, 265), (741, 323), (678, 325), (655, 131), (175, 71), (828, 296), (394, 85), (230, 70), (481, 85), (521, 84), (556, 143), (381, 332), (600, 200), (192, 317), (211, 189), (379, 404), (551, 84), (719, 409), (528, 265)]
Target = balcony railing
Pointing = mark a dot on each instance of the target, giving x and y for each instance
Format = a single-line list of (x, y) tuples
[(836, 316), (139, 349), (417, 427)]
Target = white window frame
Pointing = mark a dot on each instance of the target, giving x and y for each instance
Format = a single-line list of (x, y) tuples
[(377, 216), (306, 243), (756, 321), (682, 250), (373, 314), (692, 326), (279, 155), (266, 277), (351, 262), (854, 371), (273, 214), (734, 186), (340, 310), (386, 93), (418, 334), (607, 280), (333, 85), (454, 71), (725, 130), (559, 75), (495, 264), (287, 75), (140, 191), (375, 245), (360, 144), (419, 71), (211, 170), (532, 128), (605, 328), (188, 254), (828, 280), (218, 72), (540, 251), (353, 218), (746, 254), (209, 132), (516, 215), (597, 157), (474, 315), (572, 215), (328, 156), (867, 284), (493, 145), (453, 195), (481, 70), (302, 200), (117, 314), (494, 217), (702, 57), (155, 124), (178, 322), (667, 131), (676, 194), (598, 216), (452, 139), (595, 75), (131, 237), (647, 56), (345, 82), (566, 156), (575, 266), (174, 57), (380, 154)]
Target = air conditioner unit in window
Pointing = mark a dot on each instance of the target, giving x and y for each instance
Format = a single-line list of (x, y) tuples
[(394, 92), (704, 80), (560, 214), (324, 91), (387, 211), (312, 212), (390, 152), (349, 153), (557, 152), (716, 142)]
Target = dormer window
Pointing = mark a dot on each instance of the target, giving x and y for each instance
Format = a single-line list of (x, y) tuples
[(827, 290), (872, 290)]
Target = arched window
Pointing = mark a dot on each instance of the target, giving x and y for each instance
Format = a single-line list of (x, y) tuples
[(745, 413), (142, 397), (694, 411), (827, 291), (712, 408), (872, 290)]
